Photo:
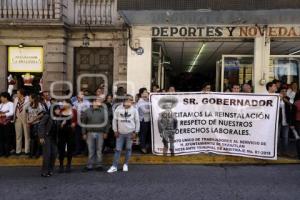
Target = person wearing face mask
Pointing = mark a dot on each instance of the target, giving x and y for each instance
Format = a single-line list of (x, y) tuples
[(143, 107), (126, 124)]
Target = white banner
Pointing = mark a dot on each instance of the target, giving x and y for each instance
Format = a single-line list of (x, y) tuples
[(221, 123)]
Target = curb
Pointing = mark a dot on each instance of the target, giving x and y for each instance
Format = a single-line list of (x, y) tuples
[(203, 159)]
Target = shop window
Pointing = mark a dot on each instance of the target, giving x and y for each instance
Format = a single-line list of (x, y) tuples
[(285, 69), (237, 70)]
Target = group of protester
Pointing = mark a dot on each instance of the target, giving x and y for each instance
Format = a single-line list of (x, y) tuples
[(289, 114), (73, 126)]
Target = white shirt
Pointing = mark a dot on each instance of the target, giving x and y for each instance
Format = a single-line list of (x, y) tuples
[(144, 110), (48, 104), (7, 108), (291, 94), (81, 106)]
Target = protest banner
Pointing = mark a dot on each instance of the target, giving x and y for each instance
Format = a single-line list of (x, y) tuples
[(222, 123)]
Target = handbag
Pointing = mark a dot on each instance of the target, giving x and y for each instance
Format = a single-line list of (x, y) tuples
[(3, 119)]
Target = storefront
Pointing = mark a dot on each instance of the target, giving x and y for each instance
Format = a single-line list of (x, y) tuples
[(187, 43), (81, 45), (222, 54), (139, 43)]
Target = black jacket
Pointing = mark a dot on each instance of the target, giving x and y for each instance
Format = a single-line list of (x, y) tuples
[(48, 127)]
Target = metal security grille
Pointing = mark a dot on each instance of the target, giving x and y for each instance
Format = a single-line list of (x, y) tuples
[(207, 4)]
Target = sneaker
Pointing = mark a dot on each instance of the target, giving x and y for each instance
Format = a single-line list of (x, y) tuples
[(125, 168), (87, 169), (45, 175), (112, 169), (144, 151)]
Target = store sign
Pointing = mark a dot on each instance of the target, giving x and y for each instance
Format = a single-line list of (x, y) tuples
[(26, 59), (225, 31), (226, 124)]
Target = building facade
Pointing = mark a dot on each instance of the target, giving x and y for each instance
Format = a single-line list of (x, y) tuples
[(138, 43), (76, 37)]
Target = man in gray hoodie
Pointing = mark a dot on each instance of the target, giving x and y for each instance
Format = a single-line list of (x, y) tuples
[(126, 125), (95, 128)]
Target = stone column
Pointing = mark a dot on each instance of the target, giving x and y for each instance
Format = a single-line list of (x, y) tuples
[(55, 64), (261, 63), (139, 67), (3, 68)]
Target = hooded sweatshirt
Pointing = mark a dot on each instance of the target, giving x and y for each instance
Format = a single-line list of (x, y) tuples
[(126, 120)]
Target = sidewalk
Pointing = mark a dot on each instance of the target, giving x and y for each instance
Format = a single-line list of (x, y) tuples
[(200, 159)]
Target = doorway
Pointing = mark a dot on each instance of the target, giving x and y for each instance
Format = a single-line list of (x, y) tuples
[(93, 62), (188, 64)]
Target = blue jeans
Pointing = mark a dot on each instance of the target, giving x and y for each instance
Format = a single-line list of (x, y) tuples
[(284, 134), (95, 144), (123, 138)]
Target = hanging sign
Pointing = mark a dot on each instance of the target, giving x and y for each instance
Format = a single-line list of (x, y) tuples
[(26, 59)]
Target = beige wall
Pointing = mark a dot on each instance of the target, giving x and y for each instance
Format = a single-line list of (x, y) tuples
[(139, 67), (3, 68), (53, 43), (59, 47), (112, 39)]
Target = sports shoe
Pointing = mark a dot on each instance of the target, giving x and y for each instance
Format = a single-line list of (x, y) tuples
[(112, 169), (125, 168), (87, 169)]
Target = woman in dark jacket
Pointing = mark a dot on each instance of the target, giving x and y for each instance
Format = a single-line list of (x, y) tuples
[(48, 133), (66, 137)]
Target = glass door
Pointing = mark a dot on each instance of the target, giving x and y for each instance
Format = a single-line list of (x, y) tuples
[(285, 68), (236, 69)]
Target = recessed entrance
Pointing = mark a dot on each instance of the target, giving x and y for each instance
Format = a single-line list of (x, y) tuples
[(90, 63), (188, 64)]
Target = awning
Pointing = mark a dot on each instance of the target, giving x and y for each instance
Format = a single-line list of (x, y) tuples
[(212, 17)]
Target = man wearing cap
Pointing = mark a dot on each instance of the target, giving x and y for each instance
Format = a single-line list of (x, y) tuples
[(167, 123)]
